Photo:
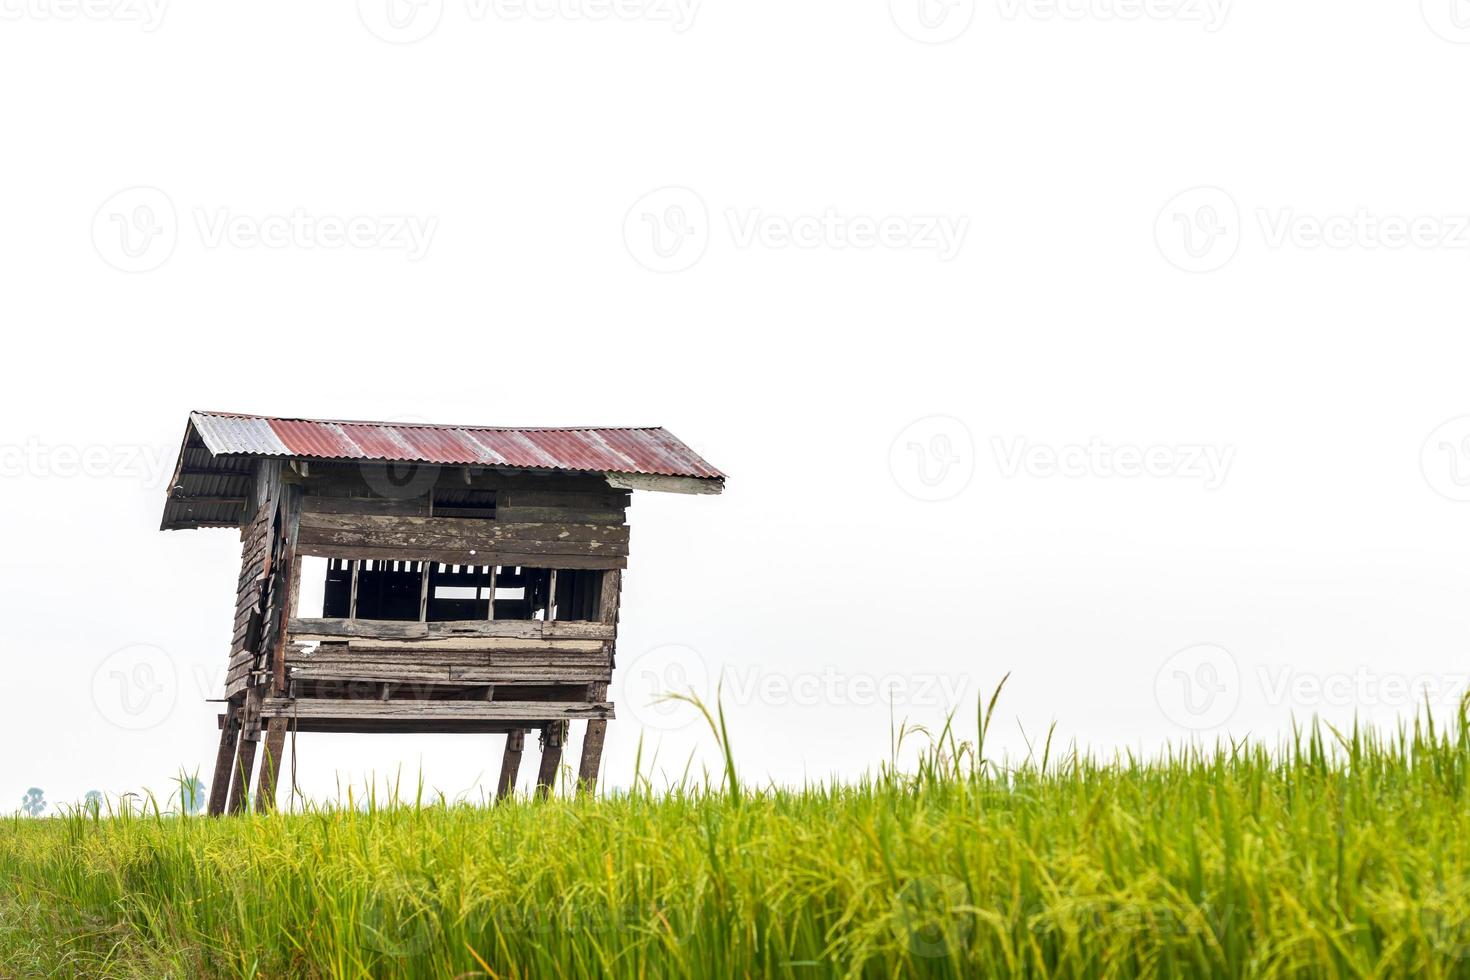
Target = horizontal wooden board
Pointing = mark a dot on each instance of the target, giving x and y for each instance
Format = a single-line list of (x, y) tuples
[(452, 658), (521, 629), (412, 506), (557, 515), (528, 711), (409, 534), (380, 672)]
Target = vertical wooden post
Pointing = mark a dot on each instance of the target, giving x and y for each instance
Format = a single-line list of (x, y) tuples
[(270, 766), (295, 586), (240, 776), (424, 595), (591, 755), (493, 570), (244, 765), (275, 734), (352, 598), (510, 765), (229, 737), (551, 598), (552, 737), (612, 587)]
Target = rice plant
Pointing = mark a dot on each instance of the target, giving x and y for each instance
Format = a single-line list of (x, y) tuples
[(1332, 854)]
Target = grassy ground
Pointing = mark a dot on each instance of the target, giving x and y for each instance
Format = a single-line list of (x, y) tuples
[(1338, 854)]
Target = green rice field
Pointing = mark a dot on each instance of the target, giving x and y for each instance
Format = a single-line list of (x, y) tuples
[(1334, 854)]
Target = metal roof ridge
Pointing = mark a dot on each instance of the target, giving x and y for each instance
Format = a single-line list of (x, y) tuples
[(434, 425)]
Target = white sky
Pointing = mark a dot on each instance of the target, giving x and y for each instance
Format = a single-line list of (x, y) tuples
[(1056, 311)]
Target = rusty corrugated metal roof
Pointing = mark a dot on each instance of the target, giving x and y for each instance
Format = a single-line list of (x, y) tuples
[(214, 477), (651, 451)]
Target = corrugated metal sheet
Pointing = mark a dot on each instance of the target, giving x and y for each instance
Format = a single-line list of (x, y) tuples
[(651, 451)]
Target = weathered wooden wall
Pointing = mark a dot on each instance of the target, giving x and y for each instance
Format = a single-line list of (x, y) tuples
[(357, 674)]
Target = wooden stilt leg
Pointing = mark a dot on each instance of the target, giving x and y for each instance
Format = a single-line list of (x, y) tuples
[(510, 765), (551, 745), (270, 766), (240, 774), (591, 755), (229, 737)]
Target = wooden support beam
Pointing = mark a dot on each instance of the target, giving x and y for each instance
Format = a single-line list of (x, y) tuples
[(552, 738), (295, 608), (229, 738), (270, 768), (424, 593), (493, 570), (666, 484), (510, 764), (240, 774), (612, 588), (433, 710), (306, 630), (591, 755)]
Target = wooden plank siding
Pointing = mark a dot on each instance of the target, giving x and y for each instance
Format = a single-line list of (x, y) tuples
[(249, 615), (491, 675)]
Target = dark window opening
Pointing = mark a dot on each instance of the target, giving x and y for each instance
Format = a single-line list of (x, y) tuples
[(457, 502), (578, 594), (413, 590), (458, 592), (389, 589), (337, 594), (520, 593)]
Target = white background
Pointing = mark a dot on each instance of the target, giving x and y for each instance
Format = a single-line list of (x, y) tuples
[(1331, 551)]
